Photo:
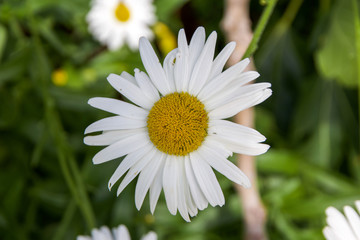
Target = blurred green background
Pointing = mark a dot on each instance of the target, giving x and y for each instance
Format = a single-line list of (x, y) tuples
[(50, 65)]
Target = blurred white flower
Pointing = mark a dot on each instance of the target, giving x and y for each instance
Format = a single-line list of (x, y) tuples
[(114, 22), (175, 132), (342, 227), (119, 233)]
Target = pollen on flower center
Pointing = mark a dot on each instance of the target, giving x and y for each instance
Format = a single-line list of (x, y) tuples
[(122, 12), (177, 124)]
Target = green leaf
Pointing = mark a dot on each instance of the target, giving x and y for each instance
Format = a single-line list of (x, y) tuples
[(15, 65), (315, 206), (165, 9), (337, 57), (3, 36), (278, 161)]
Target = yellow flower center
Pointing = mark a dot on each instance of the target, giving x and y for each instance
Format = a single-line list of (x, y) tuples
[(177, 124), (122, 13)]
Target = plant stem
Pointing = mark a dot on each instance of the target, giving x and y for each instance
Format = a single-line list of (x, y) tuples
[(357, 40), (53, 121), (357, 46), (68, 165), (264, 19)]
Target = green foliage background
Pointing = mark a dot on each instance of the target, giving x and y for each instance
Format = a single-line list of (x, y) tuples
[(310, 52)]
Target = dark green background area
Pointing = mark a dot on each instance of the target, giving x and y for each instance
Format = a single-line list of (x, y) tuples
[(311, 121)]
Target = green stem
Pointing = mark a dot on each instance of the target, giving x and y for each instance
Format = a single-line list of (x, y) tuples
[(357, 45), (66, 159), (68, 165), (83, 195), (36, 155), (264, 19)]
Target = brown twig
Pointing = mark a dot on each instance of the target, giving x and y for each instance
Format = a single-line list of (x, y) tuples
[(237, 27)]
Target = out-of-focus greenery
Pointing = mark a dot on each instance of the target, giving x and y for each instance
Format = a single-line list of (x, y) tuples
[(49, 188)]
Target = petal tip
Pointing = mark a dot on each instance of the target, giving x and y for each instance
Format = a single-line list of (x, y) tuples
[(112, 77), (143, 41), (86, 131), (86, 139), (267, 147), (90, 101), (247, 184), (95, 160), (137, 205), (232, 43), (200, 30)]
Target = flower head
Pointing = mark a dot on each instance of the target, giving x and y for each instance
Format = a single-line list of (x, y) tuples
[(59, 77), (119, 233), (174, 133), (342, 227), (113, 22)]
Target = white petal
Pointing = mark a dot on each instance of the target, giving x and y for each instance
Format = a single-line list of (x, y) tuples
[(169, 183), (115, 123), (148, 236), (181, 189), (267, 93), (221, 59), (357, 204), (195, 190), (136, 169), (118, 107), (329, 234), (245, 78), (207, 180), (241, 103), (110, 137), (121, 232), (246, 90), (83, 238), (153, 66), (202, 68), (338, 223), (127, 163), (129, 90), (169, 62), (354, 220), (121, 148), (181, 70), (155, 188), (228, 128), (234, 90), (220, 81), (222, 165), (128, 77), (102, 233), (242, 146), (220, 146), (146, 177), (191, 207), (196, 46), (146, 86)]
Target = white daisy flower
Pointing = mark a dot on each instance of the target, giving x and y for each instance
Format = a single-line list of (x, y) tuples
[(119, 233), (175, 132), (114, 22), (342, 227)]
